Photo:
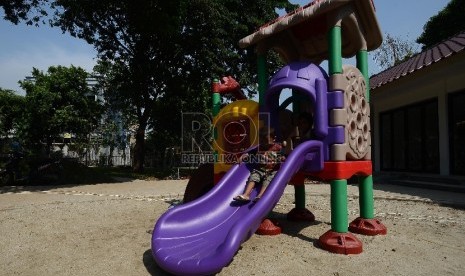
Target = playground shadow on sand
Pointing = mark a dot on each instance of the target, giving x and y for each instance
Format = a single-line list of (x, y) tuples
[(439, 191), (151, 265), (289, 228), (294, 228)]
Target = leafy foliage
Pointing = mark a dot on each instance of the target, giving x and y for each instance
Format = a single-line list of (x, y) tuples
[(160, 55), (11, 106), (393, 50), (445, 24), (58, 101)]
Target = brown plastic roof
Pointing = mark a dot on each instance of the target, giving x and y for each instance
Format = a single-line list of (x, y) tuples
[(422, 60), (301, 34)]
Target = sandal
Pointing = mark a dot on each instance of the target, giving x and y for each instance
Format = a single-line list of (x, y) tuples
[(256, 199), (241, 198)]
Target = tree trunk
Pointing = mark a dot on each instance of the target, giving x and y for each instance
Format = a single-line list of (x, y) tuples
[(48, 148), (139, 148), (110, 156)]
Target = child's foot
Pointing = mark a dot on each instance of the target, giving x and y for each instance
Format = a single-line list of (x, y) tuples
[(256, 199), (242, 198)]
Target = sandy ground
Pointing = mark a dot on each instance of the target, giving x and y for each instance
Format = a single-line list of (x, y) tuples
[(105, 229)]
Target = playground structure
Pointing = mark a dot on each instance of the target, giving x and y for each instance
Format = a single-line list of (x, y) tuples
[(202, 236)]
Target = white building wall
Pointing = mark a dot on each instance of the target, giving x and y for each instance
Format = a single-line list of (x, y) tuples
[(434, 81)]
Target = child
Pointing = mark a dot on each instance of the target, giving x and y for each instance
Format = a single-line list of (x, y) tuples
[(303, 131), (269, 158)]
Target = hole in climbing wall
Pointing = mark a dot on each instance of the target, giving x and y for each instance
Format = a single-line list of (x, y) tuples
[(364, 105), (352, 129), (353, 100), (352, 126)]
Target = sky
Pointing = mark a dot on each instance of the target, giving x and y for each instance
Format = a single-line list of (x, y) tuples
[(23, 47)]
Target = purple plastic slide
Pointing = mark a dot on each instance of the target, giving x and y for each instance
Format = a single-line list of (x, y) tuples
[(202, 236)]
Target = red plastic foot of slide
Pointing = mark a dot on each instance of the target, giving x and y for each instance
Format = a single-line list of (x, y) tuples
[(300, 214), (340, 243), (369, 227), (269, 228)]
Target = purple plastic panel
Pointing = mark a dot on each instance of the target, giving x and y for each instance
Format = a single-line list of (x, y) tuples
[(320, 121), (296, 75), (336, 133), (310, 80), (202, 236), (314, 160), (335, 136), (335, 100)]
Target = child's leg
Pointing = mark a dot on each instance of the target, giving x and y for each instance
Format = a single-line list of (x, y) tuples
[(262, 191), (266, 181), (254, 177), (248, 189)]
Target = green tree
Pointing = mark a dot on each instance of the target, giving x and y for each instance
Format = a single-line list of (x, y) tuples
[(161, 49), (203, 47), (11, 109), (448, 22), (393, 50), (57, 102)]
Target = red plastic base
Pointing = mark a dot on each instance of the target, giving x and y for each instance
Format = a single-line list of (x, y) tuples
[(269, 228), (340, 243), (299, 214), (369, 227), (344, 169)]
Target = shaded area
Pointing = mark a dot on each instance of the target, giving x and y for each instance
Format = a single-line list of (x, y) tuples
[(70, 173), (200, 183), (294, 228), (202, 236), (446, 191), (151, 265)]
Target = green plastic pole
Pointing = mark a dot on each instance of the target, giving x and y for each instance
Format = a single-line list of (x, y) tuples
[(262, 81), (216, 102), (299, 189), (366, 200), (216, 99), (262, 78), (299, 196), (362, 65), (335, 51), (339, 213)]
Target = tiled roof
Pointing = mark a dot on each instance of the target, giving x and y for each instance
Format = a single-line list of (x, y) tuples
[(424, 59), (300, 35)]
